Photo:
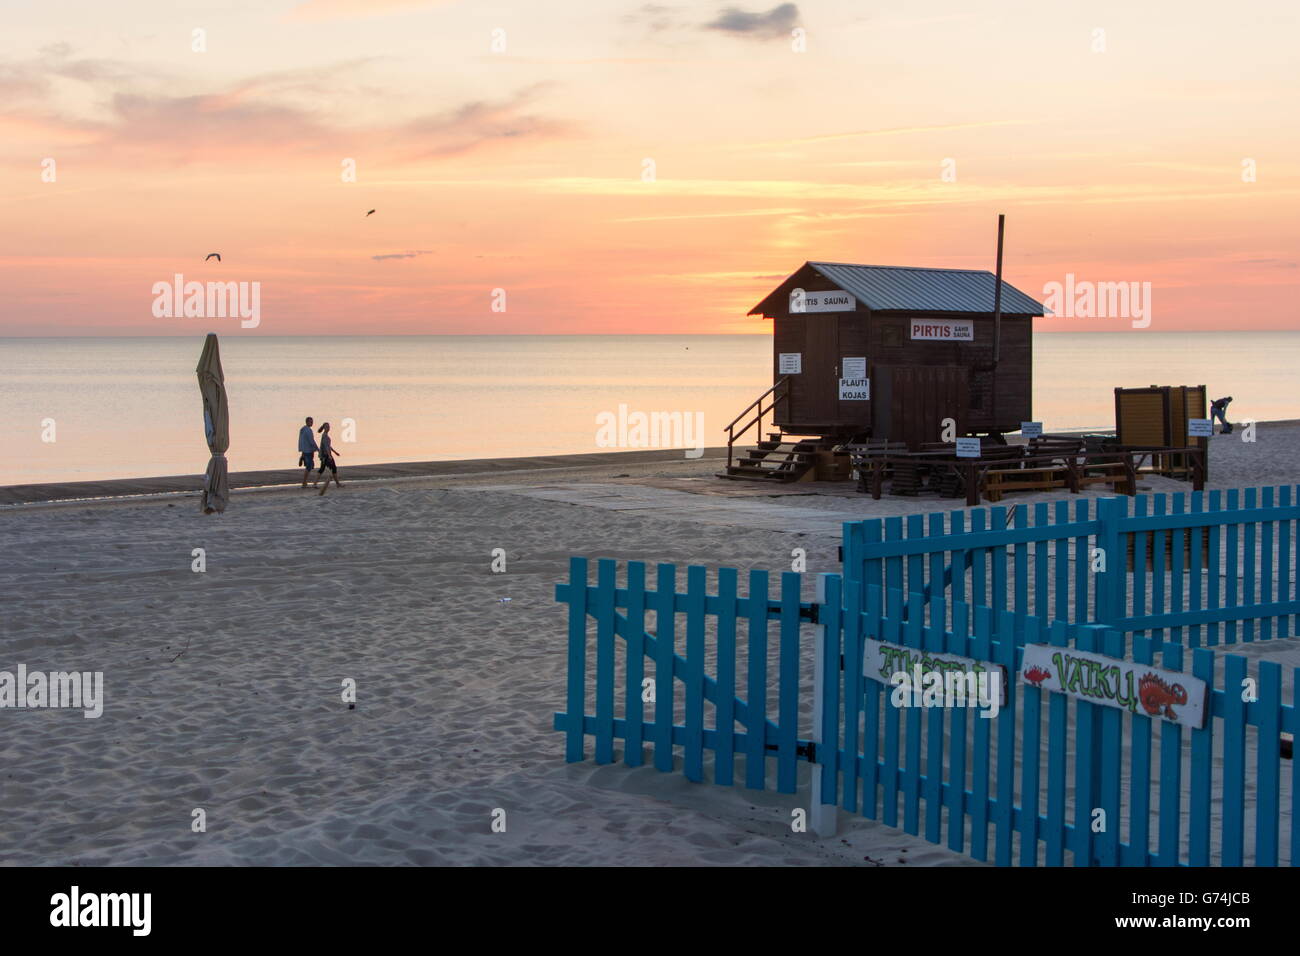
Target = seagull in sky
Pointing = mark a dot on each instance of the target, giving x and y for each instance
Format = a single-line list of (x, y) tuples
[(371, 213), (210, 255)]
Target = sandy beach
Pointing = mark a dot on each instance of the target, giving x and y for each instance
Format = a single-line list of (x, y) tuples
[(223, 689)]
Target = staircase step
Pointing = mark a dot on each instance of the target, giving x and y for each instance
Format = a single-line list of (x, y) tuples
[(786, 456), (781, 458), (738, 471)]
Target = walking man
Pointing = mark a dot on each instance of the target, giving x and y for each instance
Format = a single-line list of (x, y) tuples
[(306, 449)]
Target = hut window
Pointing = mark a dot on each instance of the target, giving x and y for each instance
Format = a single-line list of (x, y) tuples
[(891, 337)]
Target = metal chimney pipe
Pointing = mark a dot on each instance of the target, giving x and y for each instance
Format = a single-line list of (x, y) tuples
[(997, 298)]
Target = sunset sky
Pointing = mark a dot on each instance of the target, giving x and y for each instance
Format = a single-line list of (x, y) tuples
[(1112, 134)]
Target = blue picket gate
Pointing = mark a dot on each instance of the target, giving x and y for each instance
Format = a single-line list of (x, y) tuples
[(754, 655)]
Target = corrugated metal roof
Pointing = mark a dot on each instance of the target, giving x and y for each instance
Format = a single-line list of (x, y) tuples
[(911, 289)]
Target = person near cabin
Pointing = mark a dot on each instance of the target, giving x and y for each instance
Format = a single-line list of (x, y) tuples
[(1219, 410)]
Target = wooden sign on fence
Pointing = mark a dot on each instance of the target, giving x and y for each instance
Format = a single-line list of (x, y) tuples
[(964, 678), (1137, 688)]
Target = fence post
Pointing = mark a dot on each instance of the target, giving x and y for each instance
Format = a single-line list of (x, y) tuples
[(1110, 582), (575, 595), (849, 551), (1088, 758), (826, 681)]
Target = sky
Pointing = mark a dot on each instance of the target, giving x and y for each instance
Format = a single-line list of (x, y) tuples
[(613, 166)]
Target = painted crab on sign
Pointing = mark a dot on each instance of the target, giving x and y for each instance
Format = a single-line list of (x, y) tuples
[(1036, 675), (1159, 697)]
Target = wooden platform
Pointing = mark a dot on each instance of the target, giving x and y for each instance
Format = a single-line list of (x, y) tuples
[(1010, 468)]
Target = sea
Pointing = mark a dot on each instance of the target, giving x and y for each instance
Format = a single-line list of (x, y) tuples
[(95, 408)]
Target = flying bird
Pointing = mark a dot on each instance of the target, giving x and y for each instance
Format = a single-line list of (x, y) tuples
[(210, 255), (370, 213)]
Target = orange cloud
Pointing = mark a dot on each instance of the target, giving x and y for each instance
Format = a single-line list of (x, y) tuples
[(276, 116)]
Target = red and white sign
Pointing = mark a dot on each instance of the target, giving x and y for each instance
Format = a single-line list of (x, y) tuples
[(943, 330)]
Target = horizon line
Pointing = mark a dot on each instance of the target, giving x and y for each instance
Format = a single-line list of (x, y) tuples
[(398, 335)]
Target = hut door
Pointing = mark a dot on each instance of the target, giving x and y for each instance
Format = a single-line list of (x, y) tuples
[(821, 371), (919, 398)]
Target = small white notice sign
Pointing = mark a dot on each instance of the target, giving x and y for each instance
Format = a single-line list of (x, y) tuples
[(1031, 429), (1138, 688), (790, 363), (1199, 428), (854, 367), (855, 390), (968, 447), (828, 300)]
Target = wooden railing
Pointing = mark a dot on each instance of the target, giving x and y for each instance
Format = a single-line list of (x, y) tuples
[(778, 391)]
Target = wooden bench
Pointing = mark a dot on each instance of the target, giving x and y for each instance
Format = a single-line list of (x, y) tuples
[(998, 481), (1086, 466), (862, 452), (1055, 446), (955, 477), (1111, 473)]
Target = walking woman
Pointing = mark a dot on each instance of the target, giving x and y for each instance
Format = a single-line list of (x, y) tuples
[(327, 454)]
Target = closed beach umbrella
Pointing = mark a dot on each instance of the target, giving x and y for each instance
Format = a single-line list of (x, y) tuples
[(216, 425)]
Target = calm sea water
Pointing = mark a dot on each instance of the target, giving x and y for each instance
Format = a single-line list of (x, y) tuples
[(129, 407)]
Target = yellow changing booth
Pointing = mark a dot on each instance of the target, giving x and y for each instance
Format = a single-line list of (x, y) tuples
[(1156, 417)]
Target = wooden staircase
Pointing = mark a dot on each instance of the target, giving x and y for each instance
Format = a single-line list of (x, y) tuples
[(779, 458)]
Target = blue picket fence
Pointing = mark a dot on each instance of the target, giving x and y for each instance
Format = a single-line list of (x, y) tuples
[(734, 685), (1199, 569), (1026, 785), (751, 658)]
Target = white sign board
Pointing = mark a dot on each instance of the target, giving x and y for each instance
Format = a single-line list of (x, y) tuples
[(968, 447), (831, 300), (1031, 429), (790, 363), (854, 367), (882, 661), (855, 390), (1137, 688), (1199, 428), (943, 330)]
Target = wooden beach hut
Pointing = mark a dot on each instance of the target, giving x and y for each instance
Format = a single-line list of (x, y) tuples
[(887, 353)]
